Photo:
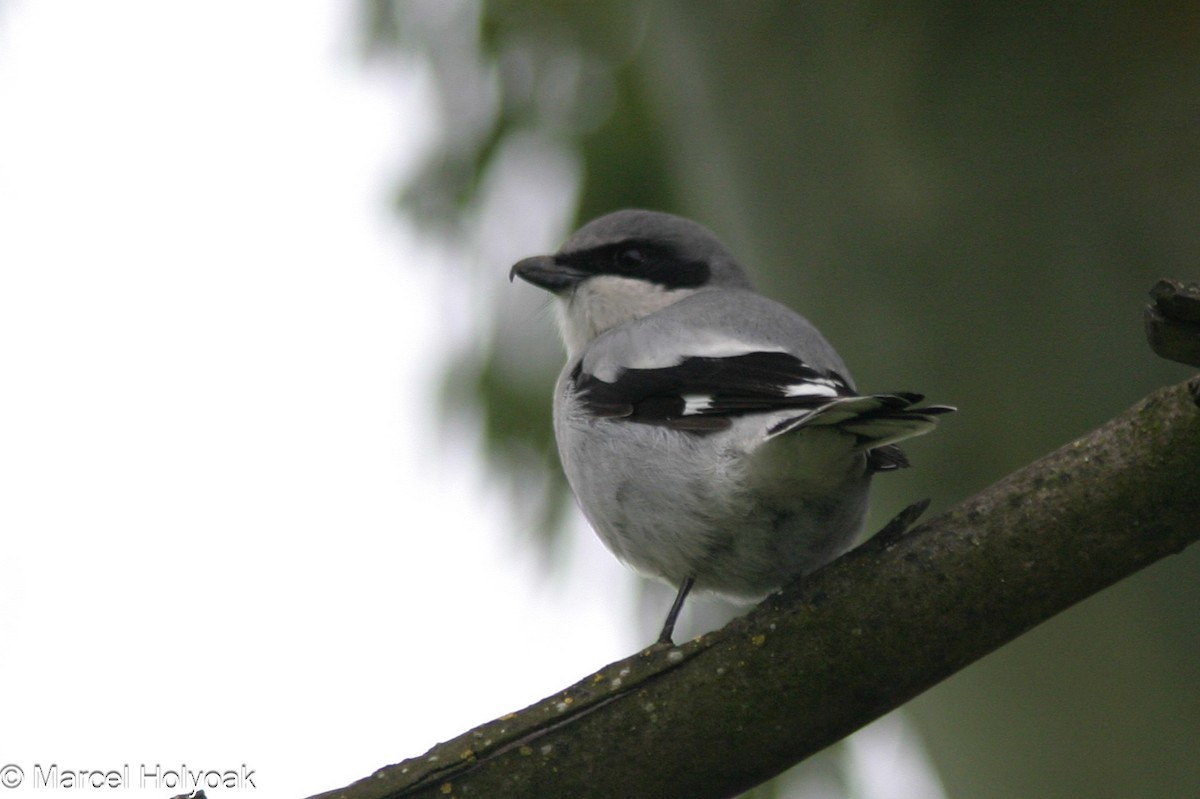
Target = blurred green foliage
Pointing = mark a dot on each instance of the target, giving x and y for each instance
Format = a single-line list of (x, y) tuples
[(971, 200)]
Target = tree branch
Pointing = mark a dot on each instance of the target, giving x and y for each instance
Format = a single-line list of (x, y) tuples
[(862, 636), (1173, 321)]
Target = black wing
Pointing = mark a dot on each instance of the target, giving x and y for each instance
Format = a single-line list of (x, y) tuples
[(705, 393)]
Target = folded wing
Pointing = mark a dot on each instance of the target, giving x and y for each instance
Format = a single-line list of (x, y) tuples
[(704, 394)]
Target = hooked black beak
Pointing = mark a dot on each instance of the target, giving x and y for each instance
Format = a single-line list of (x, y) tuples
[(546, 272)]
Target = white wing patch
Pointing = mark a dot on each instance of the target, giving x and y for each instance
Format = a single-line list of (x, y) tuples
[(813, 387)]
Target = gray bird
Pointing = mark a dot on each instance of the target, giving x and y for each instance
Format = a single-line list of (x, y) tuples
[(712, 436)]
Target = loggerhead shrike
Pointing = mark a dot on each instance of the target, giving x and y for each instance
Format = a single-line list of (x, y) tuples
[(712, 436)]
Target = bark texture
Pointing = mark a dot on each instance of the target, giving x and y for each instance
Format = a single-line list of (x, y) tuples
[(1173, 321)]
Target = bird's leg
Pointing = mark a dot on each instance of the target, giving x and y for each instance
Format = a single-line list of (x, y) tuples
[(664, 638)]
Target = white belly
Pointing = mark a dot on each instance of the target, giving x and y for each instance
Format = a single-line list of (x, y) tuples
[(740, 515)]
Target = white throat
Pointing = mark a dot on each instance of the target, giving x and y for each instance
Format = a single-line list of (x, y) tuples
[(606, 301)]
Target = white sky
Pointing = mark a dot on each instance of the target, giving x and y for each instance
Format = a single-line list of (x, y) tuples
[(231, 529)]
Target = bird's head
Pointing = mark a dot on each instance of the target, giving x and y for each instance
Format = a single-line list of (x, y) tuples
[(626, 265)]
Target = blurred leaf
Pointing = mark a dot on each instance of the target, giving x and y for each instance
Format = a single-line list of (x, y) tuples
[(519, 434)]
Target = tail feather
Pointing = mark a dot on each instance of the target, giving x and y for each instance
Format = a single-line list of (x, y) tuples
[(877, 420)]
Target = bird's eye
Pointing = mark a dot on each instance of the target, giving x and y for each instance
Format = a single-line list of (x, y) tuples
[(630, 257)]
